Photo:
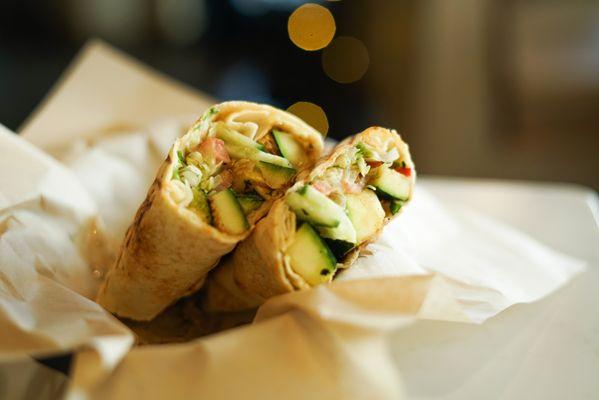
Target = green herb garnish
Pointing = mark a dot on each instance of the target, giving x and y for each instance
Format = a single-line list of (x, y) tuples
[(395, 206), (181, 157), (208, 114)]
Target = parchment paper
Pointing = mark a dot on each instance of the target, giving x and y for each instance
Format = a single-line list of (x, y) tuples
[(108, 125)]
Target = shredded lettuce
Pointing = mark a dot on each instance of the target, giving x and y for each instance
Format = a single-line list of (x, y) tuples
[(370, 153), (362, 166), (192, 175)]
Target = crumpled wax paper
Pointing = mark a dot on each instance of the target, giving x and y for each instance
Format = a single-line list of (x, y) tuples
[(70, 186)]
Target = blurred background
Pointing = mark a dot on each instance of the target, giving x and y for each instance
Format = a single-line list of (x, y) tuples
[(479, 88)]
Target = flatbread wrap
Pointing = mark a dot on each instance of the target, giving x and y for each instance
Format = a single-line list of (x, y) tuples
[(321, 224), (217, 181)]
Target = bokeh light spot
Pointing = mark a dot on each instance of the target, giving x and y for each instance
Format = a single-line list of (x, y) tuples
[(346, 59), (312, 114), (311, 27)]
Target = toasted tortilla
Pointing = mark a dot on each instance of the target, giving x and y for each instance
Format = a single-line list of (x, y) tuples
[(257, 269), (168, 250)]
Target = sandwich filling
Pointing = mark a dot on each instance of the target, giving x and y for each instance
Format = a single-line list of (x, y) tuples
[(225, 174), (346, 206)]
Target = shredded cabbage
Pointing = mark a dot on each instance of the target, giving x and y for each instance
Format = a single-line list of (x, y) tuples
[(362, 166), (385, 155), (192, 175), (181, 193)]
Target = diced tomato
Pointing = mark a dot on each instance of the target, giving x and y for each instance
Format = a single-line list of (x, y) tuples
[(213, 148), (374, 164), (322, 187), (351, 187), (404, 171)]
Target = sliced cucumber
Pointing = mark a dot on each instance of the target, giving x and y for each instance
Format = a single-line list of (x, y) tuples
[(249, 202), (290, 148), (344, 232), (310, 257), (234, 138), (227, 213), (237, 151), (330, 219), (271, 159), (366, 213), (241, 146), (395, 206), (311, 205), (275, 176), (200, 204), (390, 183), (339, 247)]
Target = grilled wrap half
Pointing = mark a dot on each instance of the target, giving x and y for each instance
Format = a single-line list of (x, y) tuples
[(320, 225), (217, 181)]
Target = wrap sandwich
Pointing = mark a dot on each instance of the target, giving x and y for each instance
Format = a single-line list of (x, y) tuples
[(217, 181), (321, 224)]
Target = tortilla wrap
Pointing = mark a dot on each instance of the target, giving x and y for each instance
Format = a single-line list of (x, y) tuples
[(258, 268), (169, 248)]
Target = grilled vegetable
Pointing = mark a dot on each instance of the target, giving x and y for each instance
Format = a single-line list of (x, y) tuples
[(227, 213), (389, 183), (290, 148), (310, 256)]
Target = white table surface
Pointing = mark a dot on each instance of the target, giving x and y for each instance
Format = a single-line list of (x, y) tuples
[(544, 350)]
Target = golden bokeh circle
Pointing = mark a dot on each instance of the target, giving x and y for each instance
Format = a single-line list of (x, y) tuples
[(312, 114), (311, 27), (346, 59)]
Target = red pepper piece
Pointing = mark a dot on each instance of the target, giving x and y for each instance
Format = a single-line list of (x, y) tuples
[(374, 164), (404, 171)]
